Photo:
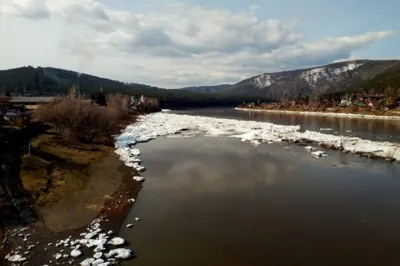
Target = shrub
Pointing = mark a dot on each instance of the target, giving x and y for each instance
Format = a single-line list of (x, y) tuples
[(76, 119)]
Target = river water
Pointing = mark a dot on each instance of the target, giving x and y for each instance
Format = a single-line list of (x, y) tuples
[(219, 201)]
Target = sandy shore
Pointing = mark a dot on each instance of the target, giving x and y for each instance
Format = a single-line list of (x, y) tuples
[(346, 115)]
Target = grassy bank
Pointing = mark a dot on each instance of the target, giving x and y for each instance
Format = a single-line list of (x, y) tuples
[(71, 177)]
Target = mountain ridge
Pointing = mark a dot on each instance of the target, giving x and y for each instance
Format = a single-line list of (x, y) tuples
[(290, 84), (313, 81)]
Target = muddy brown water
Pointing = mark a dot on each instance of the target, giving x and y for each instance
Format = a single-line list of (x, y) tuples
[(378, 129), (219, 201)]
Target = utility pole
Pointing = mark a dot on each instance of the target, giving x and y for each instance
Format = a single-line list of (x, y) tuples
[(29, 148), (79, 88)]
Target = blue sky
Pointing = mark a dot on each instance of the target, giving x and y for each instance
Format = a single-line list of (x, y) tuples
[(174, 44)]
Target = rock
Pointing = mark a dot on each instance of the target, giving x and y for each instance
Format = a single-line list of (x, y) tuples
[(137, 218), (129, 225)]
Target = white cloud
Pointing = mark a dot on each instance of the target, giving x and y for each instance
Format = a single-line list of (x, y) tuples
[(185, 45)]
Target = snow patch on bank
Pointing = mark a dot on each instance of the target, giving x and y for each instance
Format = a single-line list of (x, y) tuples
[(345, 115), (166, 124)]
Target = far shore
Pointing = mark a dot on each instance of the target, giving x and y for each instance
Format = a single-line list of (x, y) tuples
[(319, 113)]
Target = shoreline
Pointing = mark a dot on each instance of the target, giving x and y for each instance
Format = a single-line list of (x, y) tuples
[(326, 114), (114, 201)]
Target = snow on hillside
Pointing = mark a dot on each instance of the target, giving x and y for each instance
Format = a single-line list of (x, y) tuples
[(311, 76)]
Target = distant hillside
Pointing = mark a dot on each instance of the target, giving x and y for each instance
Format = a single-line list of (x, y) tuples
[(388, 79), (314, 81), (55, 81), (51, 81), (212, 88)]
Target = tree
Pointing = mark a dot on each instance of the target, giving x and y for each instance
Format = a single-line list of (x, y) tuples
[(101, 98), (77, 120), (93, 98)]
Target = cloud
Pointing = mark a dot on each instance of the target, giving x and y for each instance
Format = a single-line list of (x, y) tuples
[(184, 45)]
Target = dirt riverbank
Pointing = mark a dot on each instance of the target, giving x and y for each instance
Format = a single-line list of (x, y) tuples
[(67, 186)]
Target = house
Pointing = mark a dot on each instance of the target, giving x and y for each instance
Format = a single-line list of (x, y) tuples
[(30, 103), (15, 118), (374, 104), (4, 103), (344, 103)]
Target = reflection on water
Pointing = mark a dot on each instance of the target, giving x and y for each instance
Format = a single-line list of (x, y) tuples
[(379, 129), (218, 201)]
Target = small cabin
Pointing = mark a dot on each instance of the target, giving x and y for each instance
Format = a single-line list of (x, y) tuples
[(16, 119)]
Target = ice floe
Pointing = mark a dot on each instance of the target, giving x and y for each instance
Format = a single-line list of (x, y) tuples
[(318, 154), (138, 178), (254, 132)]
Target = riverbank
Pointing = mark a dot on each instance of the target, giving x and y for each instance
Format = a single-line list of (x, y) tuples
[(71, 184), (389, 115)]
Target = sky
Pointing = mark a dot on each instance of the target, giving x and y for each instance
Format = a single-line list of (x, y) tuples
[(173, 44)]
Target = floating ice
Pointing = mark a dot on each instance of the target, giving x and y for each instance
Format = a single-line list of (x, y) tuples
[(97, 262), (137, 218), (135, 152), (129, 225), (16, 258), (75, 253), (119, 253), (138, 178), (310, 148), (98, 255), (87, 262), (117, 241), (165, 124), (318, 154)]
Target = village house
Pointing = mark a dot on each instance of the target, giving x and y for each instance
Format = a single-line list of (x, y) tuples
[(16, 111), (30, 103), (16, 118)]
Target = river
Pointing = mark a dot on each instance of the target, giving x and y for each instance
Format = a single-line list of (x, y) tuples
[(219, 201)]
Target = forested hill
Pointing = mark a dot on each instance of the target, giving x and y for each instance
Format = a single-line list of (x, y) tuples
[(55, 81)]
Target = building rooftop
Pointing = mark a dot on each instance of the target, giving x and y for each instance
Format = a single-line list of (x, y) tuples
[(22, 99), (5, 99)]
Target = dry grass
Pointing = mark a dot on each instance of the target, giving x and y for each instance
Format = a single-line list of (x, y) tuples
[(50, 185), (52, 181), (72, 152)]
